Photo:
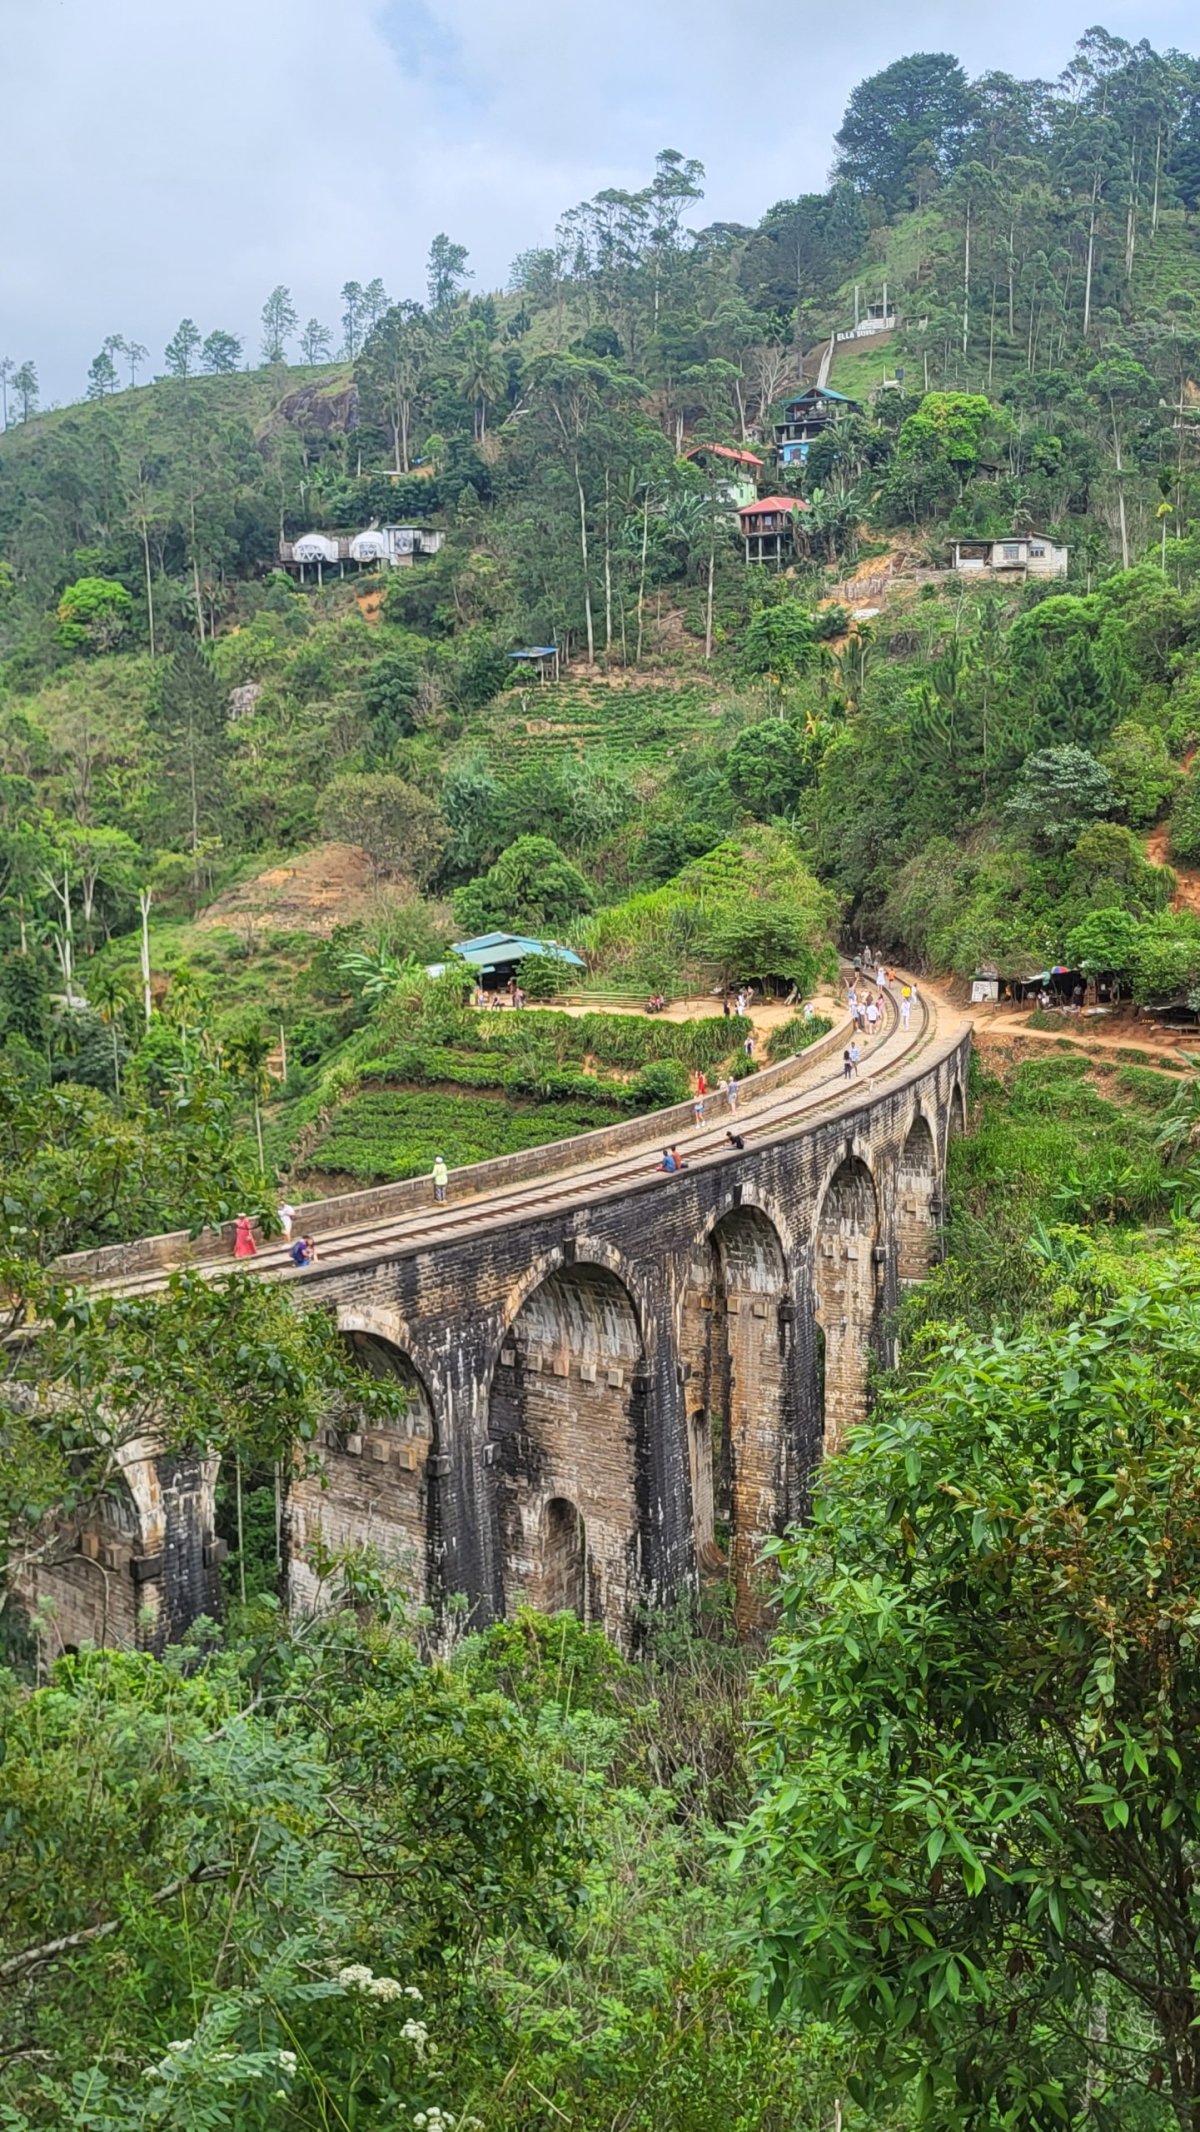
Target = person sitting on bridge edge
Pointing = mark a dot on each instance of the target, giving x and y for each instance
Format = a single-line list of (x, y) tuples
[(304, 1251), (735, 1140), (441, 1178)]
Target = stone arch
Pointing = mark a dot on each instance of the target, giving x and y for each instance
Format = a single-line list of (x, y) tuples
[(569, 1570), (847, 1285), (568, 1423), (956, 1117), (135, 1568), (736, 1341), (916, 1203), (378, 1482)]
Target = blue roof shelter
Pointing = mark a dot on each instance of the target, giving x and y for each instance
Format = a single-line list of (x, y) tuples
[(498, 954), (545, 657)]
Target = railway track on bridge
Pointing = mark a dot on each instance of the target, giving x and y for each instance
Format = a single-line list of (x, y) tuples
[(762, 1120)]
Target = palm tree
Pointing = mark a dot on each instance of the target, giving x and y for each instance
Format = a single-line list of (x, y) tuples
[(246, 1054), (111, 999), (483, 374)]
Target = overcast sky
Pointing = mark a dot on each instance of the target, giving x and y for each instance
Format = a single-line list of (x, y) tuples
[(165, 158)]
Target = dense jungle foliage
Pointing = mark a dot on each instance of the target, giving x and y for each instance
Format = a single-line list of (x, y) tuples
[(932, 1860)]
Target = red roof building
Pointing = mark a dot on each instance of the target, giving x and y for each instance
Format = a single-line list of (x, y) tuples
[(723, 451), (769, 528)]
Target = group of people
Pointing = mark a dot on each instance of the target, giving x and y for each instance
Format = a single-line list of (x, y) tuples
[(729, 1090), (672, 1160), (302, 1250)]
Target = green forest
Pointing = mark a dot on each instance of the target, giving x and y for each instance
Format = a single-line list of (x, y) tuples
[(928, 1853)]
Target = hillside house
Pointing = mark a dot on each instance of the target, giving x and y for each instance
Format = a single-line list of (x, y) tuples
[(734, 474), (769, 528), (808, 417), (376, 546), (1017, 554)]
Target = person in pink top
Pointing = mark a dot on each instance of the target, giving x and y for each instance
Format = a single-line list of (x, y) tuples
[(244, 1245)]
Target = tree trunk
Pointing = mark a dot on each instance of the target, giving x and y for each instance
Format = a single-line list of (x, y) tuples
[(1091, 254), (708, 608), (237, 1470), (583, 550), (1120, 489), (1157, 173), (149, 579), (641, 598), (144, 905), (967, 281), (607, 572)]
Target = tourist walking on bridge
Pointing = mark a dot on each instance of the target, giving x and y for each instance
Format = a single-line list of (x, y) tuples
[(441, 1178)]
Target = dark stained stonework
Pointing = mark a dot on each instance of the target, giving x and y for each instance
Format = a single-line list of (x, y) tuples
[(603, 1395)]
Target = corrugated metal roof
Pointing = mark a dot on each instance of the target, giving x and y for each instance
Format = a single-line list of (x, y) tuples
[(773, 503), (487, 949), (724, 451)]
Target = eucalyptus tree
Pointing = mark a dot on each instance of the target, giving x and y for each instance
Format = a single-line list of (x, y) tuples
[(25, 385), (316, 342), (279, 322), (352, 318)]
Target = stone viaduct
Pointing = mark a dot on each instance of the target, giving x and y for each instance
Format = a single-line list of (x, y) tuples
[(612, 1387)]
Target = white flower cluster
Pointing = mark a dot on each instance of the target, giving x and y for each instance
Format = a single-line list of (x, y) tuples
[(357, 1977), (435, 2120)]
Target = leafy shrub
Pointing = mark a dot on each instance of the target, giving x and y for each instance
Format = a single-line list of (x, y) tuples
[(1143, 775), (1185, 822), (658, 1085), (796, 1035), (544, 976)]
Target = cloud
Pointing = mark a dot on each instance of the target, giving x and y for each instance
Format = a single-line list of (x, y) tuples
[(179, 160)]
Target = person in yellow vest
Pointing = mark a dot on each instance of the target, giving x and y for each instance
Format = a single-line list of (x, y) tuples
[(441, 1178)]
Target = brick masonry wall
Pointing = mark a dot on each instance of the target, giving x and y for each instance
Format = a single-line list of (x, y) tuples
[(612, 1286)]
